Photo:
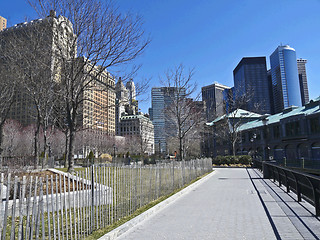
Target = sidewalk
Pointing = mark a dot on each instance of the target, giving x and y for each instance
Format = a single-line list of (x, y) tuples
[(226, 206), (231, 204)]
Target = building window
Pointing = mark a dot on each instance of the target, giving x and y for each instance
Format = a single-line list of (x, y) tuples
[(265, 133), (293, 129), (243, 138), (314, 125), (276, 132)]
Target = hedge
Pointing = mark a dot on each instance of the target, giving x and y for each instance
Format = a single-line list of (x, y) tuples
[(239, 159)]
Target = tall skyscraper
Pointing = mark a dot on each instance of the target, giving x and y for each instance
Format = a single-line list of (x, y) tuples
[(131, 90), (303, 81), (270, 91), (3, 23), (251, 84), (285, 81), (161, 99), (212, 95)]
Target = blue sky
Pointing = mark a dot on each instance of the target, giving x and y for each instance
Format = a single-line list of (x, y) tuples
[(212, 36)]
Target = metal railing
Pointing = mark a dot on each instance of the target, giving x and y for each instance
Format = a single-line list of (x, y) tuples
[(306, 186), (304, 163)]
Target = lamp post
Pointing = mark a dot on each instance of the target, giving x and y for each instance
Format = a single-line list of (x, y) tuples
[(159, 148), (254, 136)]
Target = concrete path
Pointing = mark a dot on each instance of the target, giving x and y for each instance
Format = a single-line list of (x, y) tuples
[(231, 204)]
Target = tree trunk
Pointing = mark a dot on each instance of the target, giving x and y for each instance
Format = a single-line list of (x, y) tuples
[(36, 141), (180, 149), (70, 151), (1, 149), (66, 151), (233, 148), (45, 146)]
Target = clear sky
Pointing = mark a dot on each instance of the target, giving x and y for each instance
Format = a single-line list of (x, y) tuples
[(212, 36)]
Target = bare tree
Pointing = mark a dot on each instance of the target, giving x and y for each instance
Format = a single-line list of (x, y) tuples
[(7, 87), (103, 38), (12, 134), (29, 50), (183, 113), (227, 126)]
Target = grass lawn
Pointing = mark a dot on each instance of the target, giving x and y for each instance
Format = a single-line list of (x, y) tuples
[(99, 233)]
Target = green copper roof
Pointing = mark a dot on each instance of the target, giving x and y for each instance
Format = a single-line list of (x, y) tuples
[(313, 107), (239, 113)]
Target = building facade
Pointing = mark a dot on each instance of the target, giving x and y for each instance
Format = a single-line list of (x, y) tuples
[(98, 107), (251, 84), (140, 130), (222, 133), (126, 103), (42, 39), (285, 81), (301, 63), (293, 135), (52, 39), (213, 97), (3, 23), (161, 99)]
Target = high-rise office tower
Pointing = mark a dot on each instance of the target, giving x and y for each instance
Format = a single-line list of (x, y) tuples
[(161, 99), (3, 23), (212, 95), (131, 90), (228, 99), (270, 91), (251, 85), (303, 81), (285, 81)]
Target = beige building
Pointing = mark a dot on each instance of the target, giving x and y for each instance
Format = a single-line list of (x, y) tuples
[(3, 23), (140, 129), (99, 102)]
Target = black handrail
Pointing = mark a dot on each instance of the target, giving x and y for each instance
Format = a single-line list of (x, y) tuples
[(306, 186)]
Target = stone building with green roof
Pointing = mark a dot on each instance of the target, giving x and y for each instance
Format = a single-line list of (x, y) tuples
[(291, 135)]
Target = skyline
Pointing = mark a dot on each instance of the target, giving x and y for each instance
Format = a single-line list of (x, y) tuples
[(213, 36)]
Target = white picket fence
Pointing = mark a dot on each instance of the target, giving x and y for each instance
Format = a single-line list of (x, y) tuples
[(65, 206)]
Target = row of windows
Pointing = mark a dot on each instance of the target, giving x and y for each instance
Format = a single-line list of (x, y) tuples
[(291, 129)]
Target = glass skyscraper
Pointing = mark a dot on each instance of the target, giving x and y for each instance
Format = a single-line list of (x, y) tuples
[(303, 80), (285, 81), (212, 95), (161, 99), (251, 88)]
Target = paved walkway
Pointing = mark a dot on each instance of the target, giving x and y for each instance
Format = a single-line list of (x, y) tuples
[(231, 204)]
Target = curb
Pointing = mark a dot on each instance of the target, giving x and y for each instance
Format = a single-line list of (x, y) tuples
[(143, 216)]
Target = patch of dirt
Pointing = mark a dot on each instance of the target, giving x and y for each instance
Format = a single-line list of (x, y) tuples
[(56, 183)]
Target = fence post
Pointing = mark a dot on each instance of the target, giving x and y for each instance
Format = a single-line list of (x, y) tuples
[(173, 175), (92, 199)]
